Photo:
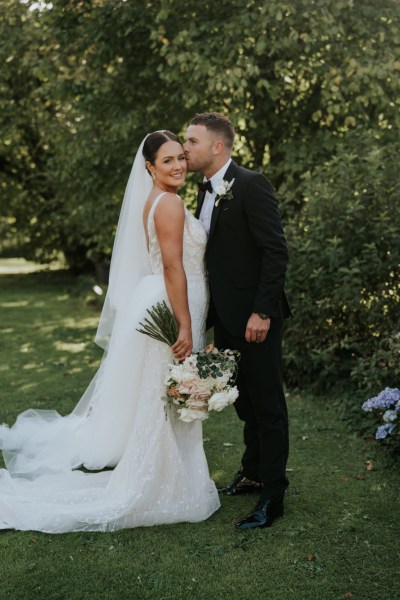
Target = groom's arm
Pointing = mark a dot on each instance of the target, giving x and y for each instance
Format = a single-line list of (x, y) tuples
[(264, 221)]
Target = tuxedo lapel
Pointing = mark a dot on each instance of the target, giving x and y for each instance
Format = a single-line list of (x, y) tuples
[(229, 175), (200, 199)]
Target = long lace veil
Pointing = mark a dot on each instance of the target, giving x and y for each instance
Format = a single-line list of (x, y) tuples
[(130, 261), (96, 431)]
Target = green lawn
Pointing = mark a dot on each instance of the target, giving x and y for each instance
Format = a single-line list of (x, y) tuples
[(340, 535)]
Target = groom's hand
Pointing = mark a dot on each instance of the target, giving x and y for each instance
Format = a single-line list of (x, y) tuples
[(257, 328)]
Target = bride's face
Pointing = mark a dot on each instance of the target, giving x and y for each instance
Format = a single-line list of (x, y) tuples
[(169, 166)]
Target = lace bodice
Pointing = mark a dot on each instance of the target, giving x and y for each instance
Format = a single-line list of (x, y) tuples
[(194, 243)]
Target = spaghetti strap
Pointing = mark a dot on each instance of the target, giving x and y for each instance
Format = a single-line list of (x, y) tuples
[(150, 216), (154, 205)]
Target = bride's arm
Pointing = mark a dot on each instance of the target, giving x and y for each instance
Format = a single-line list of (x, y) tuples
[(169, 219)]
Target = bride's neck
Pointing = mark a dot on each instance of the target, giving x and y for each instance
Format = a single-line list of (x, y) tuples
[(165, 188)]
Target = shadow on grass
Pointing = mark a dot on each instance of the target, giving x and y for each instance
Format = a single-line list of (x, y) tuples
[(47, 328)]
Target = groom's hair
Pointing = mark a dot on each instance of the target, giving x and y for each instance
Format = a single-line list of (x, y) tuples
[(218, 124)]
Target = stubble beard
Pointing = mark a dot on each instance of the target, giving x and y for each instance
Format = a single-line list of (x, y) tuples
[(199, 167)]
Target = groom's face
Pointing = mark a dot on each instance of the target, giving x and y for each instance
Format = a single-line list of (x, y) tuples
[(199, 148)]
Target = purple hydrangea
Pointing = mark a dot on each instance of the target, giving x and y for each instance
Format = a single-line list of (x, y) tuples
[(384, 430), (388, 398), (388, 404), (390, 416)]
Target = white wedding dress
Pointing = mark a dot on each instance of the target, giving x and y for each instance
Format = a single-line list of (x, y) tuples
[(161, 474)]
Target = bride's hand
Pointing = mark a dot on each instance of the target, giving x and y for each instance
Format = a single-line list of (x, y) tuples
[(183, 346)]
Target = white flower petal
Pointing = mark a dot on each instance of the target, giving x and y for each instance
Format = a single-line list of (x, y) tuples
[(189, 414)]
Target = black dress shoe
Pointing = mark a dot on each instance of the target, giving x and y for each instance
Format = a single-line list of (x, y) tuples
[(263, 515), (240, 485)]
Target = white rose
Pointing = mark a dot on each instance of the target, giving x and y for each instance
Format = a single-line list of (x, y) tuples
[(233, 393), (189, 372), (189, 414), (220, 400), (220, 382), (190, 361), (220, 190), (178, 374), (175, 372)]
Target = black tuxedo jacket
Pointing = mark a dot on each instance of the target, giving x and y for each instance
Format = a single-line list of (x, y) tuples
[(246, 254)]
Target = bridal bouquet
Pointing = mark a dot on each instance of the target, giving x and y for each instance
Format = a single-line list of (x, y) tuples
[(203, 381)]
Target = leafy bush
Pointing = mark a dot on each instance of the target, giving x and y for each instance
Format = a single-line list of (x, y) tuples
[(82, 82), (343, 279)]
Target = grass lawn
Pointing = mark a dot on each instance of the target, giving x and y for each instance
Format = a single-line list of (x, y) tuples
[(340, 535)]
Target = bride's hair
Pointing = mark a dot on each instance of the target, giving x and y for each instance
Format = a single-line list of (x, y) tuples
[(154, 141)]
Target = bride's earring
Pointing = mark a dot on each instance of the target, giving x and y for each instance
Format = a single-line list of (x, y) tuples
[(153, 176)]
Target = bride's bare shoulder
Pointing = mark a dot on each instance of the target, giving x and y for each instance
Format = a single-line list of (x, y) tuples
[(169, 205)]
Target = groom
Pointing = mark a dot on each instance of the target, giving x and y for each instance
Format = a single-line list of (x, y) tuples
[(246, 259)]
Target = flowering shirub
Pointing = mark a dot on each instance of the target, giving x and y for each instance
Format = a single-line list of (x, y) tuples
[(388, 403), (224, 191), (203, 381)]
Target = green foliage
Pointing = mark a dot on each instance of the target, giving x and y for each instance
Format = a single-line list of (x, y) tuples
[(379, 368), (313, 90), (292, 75), (344, 271), (26, 119), (82, 82)]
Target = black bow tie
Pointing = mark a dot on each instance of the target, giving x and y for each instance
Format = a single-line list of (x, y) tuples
[(205, 186)]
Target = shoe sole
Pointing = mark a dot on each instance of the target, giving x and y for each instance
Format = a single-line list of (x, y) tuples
[(256, 526)]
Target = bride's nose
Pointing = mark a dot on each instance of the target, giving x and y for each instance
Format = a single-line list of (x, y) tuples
[(177, 166)]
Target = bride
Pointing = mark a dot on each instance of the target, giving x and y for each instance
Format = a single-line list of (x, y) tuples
[(161, 474)]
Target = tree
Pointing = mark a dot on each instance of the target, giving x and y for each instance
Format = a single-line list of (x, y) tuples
[(26, 116), (296, 77)]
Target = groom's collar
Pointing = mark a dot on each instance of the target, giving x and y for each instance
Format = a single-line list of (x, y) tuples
[(231, 170), (220, 175)]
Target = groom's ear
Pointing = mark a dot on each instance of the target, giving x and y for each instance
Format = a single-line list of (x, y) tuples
[(218, 147)]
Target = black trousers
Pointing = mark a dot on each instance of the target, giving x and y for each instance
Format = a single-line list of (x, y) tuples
[(261, 405)]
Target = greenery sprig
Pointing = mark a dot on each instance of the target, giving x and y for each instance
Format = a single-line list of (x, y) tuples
[(162, 326), (213, 363)]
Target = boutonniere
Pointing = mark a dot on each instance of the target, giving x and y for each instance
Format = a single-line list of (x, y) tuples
[(224, 191)]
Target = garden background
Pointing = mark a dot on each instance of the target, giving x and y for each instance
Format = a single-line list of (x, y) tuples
[(312, 87)]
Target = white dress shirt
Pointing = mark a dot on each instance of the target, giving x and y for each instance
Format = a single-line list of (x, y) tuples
[(209, 200)]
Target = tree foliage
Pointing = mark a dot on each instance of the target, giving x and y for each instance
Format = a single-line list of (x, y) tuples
[(345, 269), (312, 87), (84, 80)]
